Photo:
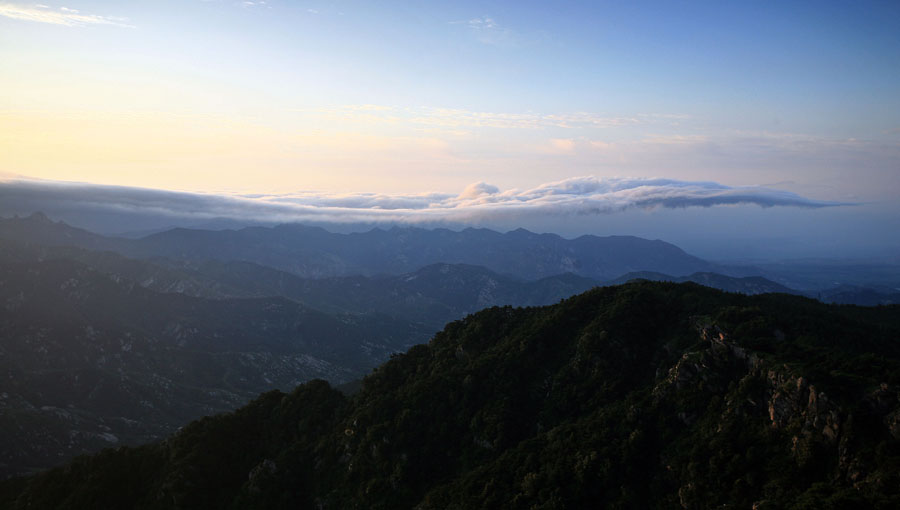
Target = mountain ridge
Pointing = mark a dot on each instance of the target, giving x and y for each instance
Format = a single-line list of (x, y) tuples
[(314, 252)]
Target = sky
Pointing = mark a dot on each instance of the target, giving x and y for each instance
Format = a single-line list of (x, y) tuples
[(435, 104)]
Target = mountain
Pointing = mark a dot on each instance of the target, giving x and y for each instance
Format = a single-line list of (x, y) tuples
[(38, 229), (90, 360), (316, 253), (432, 295), (749, 285), (645, 395), (146, 306), (159, 275)]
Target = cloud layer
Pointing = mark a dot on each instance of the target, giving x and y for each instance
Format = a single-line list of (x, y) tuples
[(478, 203)]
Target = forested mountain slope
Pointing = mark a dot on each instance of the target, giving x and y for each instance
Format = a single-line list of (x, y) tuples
[(645, 395)]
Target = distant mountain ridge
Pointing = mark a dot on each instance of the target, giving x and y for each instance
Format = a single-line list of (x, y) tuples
[(201, 263), (432, 295), (316, 253)]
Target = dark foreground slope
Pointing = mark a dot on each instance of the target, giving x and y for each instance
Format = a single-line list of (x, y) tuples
[(646, 395)]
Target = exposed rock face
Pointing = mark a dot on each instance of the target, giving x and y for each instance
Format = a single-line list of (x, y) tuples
[(795, 401), (257, 475), (892, 421), (789, 401)]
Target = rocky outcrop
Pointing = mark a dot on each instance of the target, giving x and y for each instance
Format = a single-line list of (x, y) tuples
[(788, 401), (795, 402)]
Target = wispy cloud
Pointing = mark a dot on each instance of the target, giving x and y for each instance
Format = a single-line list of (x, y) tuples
[(488, 31), (479, 203), (63, 16), (459, 118), (482, 23)]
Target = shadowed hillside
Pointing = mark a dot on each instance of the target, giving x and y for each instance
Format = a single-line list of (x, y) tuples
[(646, 395)]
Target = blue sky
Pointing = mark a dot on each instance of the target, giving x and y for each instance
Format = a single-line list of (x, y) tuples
[(342, 97)]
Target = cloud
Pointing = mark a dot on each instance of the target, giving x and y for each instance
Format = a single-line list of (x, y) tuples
[(482, 23), (456, 118), (477, 189), (63, 16), (488, 31), (479, 203)]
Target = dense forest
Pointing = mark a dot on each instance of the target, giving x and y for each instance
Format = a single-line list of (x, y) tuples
[(644, 395)]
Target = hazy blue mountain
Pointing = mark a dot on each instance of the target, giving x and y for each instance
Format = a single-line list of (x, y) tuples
[(215, 264), (315, 252), (40, 230), (89, 360), (646, 395), (432, 295)]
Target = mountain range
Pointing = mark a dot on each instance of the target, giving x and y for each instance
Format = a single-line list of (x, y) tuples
[(110, 341), (315, 252)]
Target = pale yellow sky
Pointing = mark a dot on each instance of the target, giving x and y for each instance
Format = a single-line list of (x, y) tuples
[(386, 149), (216, 97)]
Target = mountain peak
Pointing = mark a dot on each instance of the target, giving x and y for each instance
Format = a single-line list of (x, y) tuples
[(39, 217), (520, 231)]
